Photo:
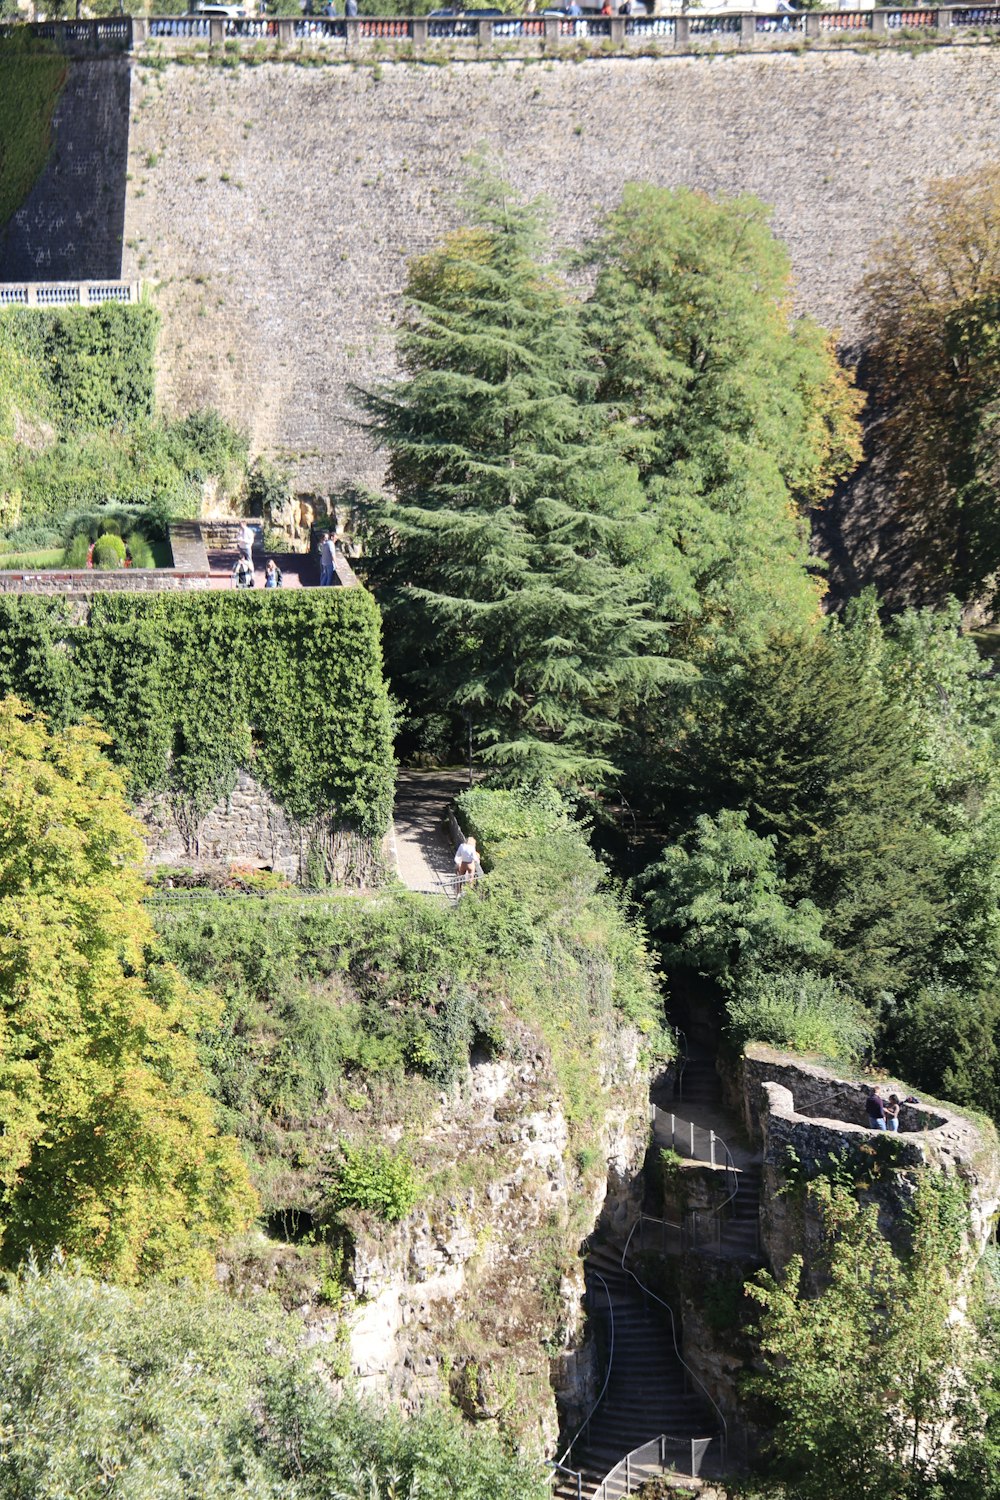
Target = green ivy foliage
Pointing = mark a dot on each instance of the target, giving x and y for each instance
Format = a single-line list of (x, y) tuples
[(32, 76), (192, 688), (98, 362), (371, 1178)]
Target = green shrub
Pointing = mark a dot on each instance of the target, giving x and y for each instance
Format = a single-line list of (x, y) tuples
[(799, 1012), (99, 362), (374, 1179), (77, 551), (30, 537), (174, 1392), (494, 816), (139, 551), (109, 552)]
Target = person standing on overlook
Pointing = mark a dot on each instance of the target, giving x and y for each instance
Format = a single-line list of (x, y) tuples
[(327, 559), (875, 1109)]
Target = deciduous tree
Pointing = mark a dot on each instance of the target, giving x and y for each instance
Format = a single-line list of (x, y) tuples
[(109, 1148), (933, 366), (736, 412)]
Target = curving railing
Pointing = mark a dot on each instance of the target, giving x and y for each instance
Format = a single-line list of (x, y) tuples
[(651, 1460), (560, 1465), (648, 1292)]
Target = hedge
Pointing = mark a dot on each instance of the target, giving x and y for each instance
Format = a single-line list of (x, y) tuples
[(194, 688), (98, 363)]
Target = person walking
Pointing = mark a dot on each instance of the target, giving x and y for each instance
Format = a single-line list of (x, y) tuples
[(326, 560), (465, 860)]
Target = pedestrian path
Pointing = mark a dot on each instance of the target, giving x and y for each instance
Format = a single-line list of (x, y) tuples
[(425, 851)]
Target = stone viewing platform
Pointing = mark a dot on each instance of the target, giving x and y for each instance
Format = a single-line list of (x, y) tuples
[(203, 556), (404, 37), (810, 1122)]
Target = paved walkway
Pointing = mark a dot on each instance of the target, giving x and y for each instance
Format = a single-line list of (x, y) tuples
[(424, 848)]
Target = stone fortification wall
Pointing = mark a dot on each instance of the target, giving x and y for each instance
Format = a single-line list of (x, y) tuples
[(277, 205), (810, 1123), (70, 226)]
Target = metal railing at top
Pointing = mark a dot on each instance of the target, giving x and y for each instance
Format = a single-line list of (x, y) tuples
[(697, 1143), (561, 1464)]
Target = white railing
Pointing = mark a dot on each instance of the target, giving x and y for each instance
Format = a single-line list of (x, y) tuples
[(649, 1461), (560, 1465), (67, 293), (678, 31), (696, 1143)]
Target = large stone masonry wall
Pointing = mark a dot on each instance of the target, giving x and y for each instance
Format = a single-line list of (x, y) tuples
[(70, 226), (277, 205)]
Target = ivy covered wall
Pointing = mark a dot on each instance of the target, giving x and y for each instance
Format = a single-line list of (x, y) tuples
[(194, 688)]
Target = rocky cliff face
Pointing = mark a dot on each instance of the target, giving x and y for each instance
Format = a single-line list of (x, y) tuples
[(479, 1295)]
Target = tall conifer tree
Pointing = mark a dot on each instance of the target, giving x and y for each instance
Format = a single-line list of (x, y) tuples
[(503, 557)]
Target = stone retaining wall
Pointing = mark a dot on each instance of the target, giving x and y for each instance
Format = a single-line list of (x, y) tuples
[(119, 580), (249, 828), (276, 206), (785, 1097)]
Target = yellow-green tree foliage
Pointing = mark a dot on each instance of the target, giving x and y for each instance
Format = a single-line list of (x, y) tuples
[(933, 368), (108, 1148)]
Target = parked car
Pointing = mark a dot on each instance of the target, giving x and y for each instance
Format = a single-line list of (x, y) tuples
[(218, 11)]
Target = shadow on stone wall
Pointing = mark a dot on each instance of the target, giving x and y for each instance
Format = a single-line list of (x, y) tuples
[(70, 227)]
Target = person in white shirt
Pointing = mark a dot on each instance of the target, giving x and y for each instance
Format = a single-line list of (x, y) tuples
[(465, 859)]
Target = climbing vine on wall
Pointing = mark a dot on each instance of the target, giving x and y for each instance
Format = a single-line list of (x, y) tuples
[(32, 75), (98, 362), (192, 688)]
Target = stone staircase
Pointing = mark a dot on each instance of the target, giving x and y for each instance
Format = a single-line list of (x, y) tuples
[(648, 1391)]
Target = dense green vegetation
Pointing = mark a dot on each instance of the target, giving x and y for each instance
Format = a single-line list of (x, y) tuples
[(193, 687), (355, 1013), (859, 1377), (593, 564), (32, 76), (172, 1392), (109, 1147), (79, 385), (557, 547)]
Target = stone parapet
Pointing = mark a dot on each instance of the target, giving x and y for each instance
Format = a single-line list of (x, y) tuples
[(810, 1123), (88, 581)]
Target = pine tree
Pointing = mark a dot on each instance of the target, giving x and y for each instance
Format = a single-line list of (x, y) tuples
[(821, 758), (505, 550)]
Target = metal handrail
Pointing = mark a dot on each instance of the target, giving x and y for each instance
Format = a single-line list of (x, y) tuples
[(636, 1456), (560, 1462), (647, 1291), (732, 1174)]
